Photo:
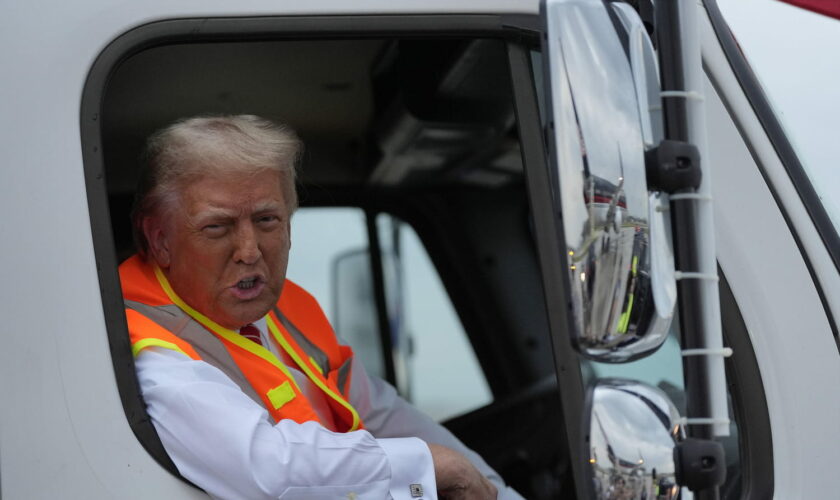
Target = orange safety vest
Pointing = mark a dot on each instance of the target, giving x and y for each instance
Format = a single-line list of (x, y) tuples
[(157, 317)]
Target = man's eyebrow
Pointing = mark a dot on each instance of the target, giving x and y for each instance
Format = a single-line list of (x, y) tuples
[(214, 213), (267, 206)]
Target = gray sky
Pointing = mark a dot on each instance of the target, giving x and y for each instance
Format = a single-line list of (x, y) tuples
[(794, 53)]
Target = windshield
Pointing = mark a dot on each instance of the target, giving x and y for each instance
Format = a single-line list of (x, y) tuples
[(793, 53)]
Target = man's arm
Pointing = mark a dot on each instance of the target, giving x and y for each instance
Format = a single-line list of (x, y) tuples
[(387, 415), (225, 443)]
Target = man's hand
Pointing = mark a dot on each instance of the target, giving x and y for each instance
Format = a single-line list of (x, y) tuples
[(457, 478)]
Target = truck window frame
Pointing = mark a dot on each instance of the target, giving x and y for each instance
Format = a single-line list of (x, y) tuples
[(516, 30), (749, 401)]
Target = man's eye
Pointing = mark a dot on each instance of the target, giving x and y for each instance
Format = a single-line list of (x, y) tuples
[(213, 230), (268, 219)]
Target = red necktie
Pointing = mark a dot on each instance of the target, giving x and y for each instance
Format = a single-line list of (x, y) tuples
[(251, 333)]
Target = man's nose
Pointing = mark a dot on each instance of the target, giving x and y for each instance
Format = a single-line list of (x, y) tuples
[(247, 249)]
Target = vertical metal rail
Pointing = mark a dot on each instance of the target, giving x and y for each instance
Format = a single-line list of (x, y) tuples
[(693, 321), (379, 293)]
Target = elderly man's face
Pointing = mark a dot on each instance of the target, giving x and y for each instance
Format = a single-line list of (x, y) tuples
[(226, 245)]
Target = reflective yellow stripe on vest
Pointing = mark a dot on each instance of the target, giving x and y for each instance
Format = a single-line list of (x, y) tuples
[(309, 373), (624, 319), (150, 342)]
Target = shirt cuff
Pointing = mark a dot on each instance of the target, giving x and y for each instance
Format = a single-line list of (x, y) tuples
[(412, 469)]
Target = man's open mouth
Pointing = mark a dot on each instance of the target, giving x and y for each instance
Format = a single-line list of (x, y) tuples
[(247, 283)]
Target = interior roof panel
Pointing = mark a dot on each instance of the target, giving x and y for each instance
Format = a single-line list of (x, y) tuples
[(165, 83)]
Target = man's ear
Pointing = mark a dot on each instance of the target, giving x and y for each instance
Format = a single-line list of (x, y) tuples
[(158, 241)]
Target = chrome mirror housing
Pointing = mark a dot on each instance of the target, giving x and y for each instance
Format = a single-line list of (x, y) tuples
[(618, 251), (632, 431)]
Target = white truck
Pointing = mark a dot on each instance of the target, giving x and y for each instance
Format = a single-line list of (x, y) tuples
[(599, 192)]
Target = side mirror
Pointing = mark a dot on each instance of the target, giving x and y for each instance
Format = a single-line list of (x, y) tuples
[(354, 308), (618, 251), (632, 432), (356, 317)]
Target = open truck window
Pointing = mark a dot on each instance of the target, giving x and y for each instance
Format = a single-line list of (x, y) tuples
[(415, 132), (422, 348)]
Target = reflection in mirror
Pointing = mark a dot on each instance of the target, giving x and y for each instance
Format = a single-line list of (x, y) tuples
[(620, 271), (390, 236), (354, 308), (633, 429), (356, 315), (645, 69)]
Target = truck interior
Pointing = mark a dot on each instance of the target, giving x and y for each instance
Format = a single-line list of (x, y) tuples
[(421, 128)]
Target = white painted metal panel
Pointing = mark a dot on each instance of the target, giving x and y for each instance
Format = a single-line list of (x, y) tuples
[(793, 343)]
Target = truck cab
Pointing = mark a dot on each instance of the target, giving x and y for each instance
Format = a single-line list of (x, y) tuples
[(432, 230)]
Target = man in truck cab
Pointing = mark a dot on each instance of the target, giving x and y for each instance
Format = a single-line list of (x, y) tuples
[(250, 391)]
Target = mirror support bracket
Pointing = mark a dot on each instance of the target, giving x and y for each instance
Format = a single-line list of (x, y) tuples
[(699, 464), (673, 166)]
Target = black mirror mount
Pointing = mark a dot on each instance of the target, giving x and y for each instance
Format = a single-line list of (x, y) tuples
[(699, 464), (673, 166)]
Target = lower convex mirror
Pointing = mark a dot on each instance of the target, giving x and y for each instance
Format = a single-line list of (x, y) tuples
[(630, 439)]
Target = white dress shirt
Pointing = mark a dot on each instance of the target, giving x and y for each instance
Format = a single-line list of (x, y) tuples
[(227, 444)]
